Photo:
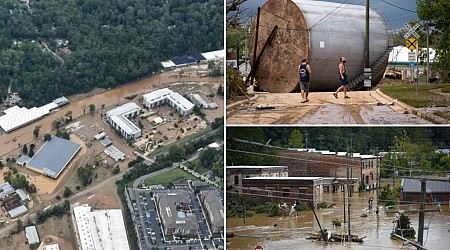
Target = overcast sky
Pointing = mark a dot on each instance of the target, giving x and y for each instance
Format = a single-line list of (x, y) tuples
[(397, 17)]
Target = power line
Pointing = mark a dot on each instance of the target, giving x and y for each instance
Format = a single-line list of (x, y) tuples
[(327, 15), (398, 6), (334, 163)]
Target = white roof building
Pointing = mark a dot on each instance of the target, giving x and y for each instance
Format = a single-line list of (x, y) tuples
[(214, 55), (32, 235), (119, 119), (101, 229), (16, 117), (114, 153), (175, 100), (168, 64), (51, 247), (200, 101), (5, 190)]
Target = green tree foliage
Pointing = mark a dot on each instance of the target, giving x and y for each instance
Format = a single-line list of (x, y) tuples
[(67, 192), (85, 174), (25, 149), (47, 137), (403, 222), (19, 181), (116, 170), (437, 10), (220, 90), (176, 153), (111, 42), (57, 210), (91, 108), (235, 83), (296, 139), (36, 132), (259, 155), (207, 157)]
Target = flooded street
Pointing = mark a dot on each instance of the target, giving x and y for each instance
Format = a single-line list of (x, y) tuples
[(291, 232)]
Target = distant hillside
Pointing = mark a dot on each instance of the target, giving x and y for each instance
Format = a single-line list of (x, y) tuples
[(52, 48)]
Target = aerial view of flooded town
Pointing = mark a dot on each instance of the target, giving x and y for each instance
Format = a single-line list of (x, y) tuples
[(111, 137)]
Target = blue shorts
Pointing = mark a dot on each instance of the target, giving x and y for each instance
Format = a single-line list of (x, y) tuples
[(343, 81)]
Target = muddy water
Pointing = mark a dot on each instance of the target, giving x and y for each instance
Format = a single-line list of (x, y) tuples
[(24, 135), (291, 232)]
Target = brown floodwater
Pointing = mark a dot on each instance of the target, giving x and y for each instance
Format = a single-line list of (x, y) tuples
[(291, 232)]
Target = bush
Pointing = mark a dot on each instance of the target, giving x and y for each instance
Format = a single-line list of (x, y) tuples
[(67, 192), (336, 222), (58, 197)]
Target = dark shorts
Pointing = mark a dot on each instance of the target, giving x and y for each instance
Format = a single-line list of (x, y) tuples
[(343, 81), (304, 86)]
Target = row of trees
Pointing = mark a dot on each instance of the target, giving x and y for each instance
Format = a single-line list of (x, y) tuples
[(18, 181), (111, 42), (419, 143)]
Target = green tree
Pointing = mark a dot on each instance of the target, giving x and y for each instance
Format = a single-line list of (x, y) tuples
[(220, 90), (116, 170), (36, 131), (437, 10), (85, 174), (25, 149), (235, 84), (296, 139), (47, 137), (91, 108), (19, 225), (67, 192)]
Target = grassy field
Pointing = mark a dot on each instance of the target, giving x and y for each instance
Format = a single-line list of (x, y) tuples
[(169, 177), (182, 141), (406, 92)]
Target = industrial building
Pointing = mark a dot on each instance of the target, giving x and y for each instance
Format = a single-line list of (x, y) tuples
[(235, 174), (100, 229), (173, 99), (437, 191), (211, 201), (173, 208), (324, 163), (16, 117), (193, 59), (120, 117), (32, 235), (5, 190), (199, 100), (51, 159)]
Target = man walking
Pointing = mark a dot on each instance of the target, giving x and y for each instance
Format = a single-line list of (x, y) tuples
[(304, 70), (342, 78)]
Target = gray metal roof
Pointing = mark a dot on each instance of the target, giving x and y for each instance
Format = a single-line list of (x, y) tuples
[(54, 156), (214, 207), (413, 186), (23, 159), (106, 141), (32, 235), (173, 217), (5, 190), (17, 211)]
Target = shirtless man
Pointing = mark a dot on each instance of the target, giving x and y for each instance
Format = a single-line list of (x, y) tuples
[(342, 78)]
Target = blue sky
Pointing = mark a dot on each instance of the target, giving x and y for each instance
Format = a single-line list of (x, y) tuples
[(397, 17)]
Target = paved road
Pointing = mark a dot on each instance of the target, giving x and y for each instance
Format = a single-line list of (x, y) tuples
[(364, 107)]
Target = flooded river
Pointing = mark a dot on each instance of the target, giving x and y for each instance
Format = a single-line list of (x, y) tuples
[(80, 104), (291, 232)]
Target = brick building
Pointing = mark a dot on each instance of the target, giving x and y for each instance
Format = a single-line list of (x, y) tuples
[(283, 189), (309, 162), (235, 174), (437, 191)]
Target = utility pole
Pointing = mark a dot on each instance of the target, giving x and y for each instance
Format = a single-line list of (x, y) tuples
[(423, 195), (366, 51), (378, 182), (348, 198), (256, 46), (306, 139), (395, 170)]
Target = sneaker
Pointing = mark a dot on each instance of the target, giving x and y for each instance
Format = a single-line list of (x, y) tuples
[(347, 97), (335, 95)]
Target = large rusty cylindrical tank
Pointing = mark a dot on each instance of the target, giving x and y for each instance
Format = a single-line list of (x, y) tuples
[(319, 31)]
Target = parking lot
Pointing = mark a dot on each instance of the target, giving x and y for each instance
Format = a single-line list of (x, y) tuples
[(150, 230)]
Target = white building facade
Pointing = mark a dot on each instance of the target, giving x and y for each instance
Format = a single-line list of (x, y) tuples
[(119, 118), (162, 96)]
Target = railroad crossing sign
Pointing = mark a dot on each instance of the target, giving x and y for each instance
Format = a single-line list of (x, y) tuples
[(411, 31), (411, 43)]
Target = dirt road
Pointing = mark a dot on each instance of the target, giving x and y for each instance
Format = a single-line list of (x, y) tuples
[(364, 107), (24, 135)]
